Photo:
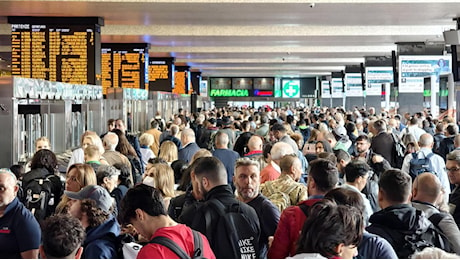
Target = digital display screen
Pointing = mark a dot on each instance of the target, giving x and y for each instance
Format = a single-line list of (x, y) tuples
[(264, 83), (57, 49), (161, 74), (221, 83), (123, 65), (180, 80), (241, 83)]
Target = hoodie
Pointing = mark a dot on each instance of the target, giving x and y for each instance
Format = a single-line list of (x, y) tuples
[(100, 241), (395, 222)]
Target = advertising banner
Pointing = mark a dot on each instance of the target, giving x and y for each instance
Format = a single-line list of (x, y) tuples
[(337, 88), (375, 77), (325, 89), (414, 68), (353, 85)]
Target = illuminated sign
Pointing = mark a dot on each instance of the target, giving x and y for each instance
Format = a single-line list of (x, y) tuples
[(291, 88), (182, 80), (64, 49), (263, 93), (124, 65), (161, 74), (229, 93)]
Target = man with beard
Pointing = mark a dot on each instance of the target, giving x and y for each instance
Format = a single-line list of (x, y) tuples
[(231, 226), (378, 165), (247, 183)]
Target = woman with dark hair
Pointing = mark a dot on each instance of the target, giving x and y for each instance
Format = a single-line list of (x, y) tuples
[(42, 178), (125, 148), (331, 231), (125, 182), (371, 246)]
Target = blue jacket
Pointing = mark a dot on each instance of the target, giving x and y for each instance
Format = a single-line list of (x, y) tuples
[(100, 241)]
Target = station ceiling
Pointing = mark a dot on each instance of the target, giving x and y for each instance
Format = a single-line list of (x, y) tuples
[(273, 38)]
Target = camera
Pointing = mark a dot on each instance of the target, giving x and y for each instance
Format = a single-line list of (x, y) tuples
[(312, 5)]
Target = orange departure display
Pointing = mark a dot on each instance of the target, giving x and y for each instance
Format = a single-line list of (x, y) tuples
[(64, 52), (124, 65), (161, 74)]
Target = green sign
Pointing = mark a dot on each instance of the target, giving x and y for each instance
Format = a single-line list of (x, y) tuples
[(229, 93), (291, 88)]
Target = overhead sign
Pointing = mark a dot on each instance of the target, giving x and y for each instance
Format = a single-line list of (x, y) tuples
[(353, 85), (375, 77), (229, 93), (291, 88), (63, 49), (337, 88), (414, 68), (325, 89)]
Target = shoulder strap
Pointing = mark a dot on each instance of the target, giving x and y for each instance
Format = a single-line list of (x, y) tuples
[(436, 218), (171, 245), (217, 206), (304, 209), (429, 155), (197, 245)]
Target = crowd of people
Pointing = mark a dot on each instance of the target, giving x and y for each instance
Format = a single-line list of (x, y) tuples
[(243, 183)]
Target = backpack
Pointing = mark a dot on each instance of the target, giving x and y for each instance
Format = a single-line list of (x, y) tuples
[(410, 243), (171, 245), (398, 152), (420, 165), (39, 198), (211, 141), (279, 198), (125, 245), (421, 240), (234, 236), (136, 169), (437, 217)]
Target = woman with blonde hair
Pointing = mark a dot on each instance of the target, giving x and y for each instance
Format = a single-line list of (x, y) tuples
[(161, 176), (79, 175), (87, 138), (146, 141), (168, 152)]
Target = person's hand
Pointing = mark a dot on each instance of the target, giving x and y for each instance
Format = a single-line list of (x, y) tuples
[(270, 241), (377, 159)]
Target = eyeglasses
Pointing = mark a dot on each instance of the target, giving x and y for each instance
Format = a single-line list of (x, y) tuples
[(456, 169)]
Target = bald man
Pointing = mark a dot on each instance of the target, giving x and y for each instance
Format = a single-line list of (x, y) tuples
[(439, 166), (20, 232), (426, 191), (272, 171), (189, 146), (255, 147)]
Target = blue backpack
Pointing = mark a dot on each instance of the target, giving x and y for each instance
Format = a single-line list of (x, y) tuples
[(420, 165)]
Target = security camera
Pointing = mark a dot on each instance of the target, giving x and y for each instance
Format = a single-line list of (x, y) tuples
[(312, 5)]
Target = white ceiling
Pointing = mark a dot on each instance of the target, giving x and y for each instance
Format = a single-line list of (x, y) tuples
[(256, 38)]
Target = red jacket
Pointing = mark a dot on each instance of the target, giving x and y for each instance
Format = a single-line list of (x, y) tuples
[(288, 231)]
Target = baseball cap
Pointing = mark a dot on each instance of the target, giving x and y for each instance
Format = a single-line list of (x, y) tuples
[(340, 131), (94, 192)]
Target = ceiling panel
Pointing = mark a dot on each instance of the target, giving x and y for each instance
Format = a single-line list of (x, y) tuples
[(255, 37)]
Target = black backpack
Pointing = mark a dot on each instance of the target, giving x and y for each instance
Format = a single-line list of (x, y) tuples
[(39, 198), (416, 242), (234, 236), (420, 165), (171, 245)]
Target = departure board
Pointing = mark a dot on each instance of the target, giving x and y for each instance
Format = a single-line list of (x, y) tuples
[(64, 49), (124, 65), (161, 74), (182, 80)]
